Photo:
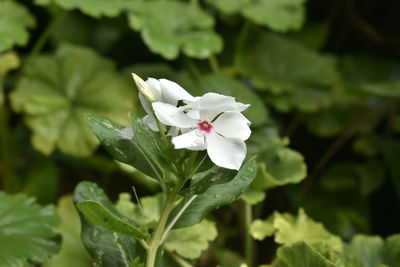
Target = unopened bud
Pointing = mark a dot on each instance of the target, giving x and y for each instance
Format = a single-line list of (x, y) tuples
[(144, 88)]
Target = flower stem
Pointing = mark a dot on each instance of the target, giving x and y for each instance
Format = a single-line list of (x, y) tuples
[(46, 34), (249, 245), (214, 64), (155, 243), (164, 236), (181, 261)]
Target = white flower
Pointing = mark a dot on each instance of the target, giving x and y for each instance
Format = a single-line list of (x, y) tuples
[(213, 122), (161, 90)]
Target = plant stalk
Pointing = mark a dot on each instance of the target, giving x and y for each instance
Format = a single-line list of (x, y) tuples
[(249, 245), (46, 34), (156, 241), (216, 69)]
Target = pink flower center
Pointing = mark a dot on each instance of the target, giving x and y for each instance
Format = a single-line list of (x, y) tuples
[(205, 126)]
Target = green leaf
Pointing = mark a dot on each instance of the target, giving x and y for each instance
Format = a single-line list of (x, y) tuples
[(256, 113), (297, 77), (281, 164), (109, 8), (72, 251), (364, 177), (149, 213), (373, 74), (289, 229), (312, 35), (305, 99), (228, 258), (301, 255), (187, 242), (365, 251), (197, 204), (372, 251), (348, 210), (191, 241), (56, 91), (260, 229), (15, 20), (253, 196), (279, 15), (26, 231), (391, 252), (43, 183), (151, 145), (8, 61), (385, 89), (228, 6), (97, 214), (367, 145), (123, 145), (167, 27), (107, 249), (333, 120)]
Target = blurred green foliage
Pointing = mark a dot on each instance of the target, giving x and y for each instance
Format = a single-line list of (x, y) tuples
[(323, 74)]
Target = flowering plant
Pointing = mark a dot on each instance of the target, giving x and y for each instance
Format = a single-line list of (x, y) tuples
[(193, 146)]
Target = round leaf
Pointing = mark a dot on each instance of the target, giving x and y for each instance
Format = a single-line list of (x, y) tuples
[(26, 231), (168, 27), (56, 91), (14, 22)]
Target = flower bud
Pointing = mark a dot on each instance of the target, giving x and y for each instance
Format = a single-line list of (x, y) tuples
[(144, 88)]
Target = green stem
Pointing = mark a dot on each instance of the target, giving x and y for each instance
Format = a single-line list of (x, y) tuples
[(181, 261), (46, 34), (244, 32), (214, 64), (165, 234), (249, 245), (156, 240), (194, 70)]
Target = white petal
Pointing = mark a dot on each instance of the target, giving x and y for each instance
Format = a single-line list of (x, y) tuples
[(155, 85), (194, 114), (173, 116), (145, 103), (232, 124), (226, 152), (212, 104), (191, 140), (150, 121), (173, 92), (196, 98), (173, 131)]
